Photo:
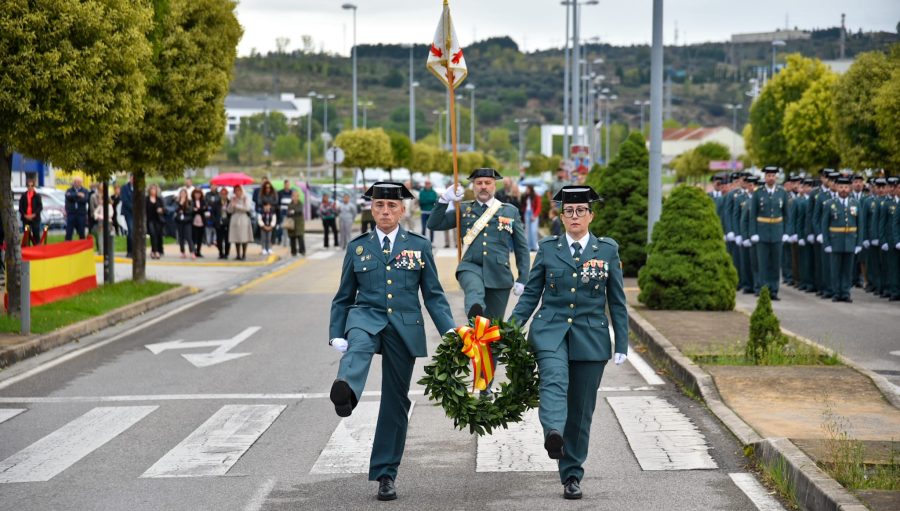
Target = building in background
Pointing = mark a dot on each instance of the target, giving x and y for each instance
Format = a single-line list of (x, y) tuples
[(678, 140), (237, 107)]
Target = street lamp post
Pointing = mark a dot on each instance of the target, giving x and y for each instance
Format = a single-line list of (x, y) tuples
[(326, 137), (734, 110), (775, 44), (312, 96), (349, 6), (412, 95), (575, 66), (642, 104), (365, 106), (440, 122), (566, 88), (459, 97), (521, 123), (654, 195), (611, 98), (471, 89)]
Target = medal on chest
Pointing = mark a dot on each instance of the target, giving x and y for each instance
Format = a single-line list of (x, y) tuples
[(409, 260), (594, 269)]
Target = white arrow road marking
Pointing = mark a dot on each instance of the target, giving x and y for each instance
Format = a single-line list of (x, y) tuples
[(518, 448), (661, 437), (9, 413), (350, 446), (49, 456), (896, 353), (214, 447), (217, 356)]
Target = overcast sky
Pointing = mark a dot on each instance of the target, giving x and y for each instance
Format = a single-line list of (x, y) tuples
[(538, 24)]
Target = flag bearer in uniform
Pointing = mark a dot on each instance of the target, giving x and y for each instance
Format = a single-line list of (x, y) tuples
[(768, 214), (377, 310), (487, 227), (574, 278), (840, 229)]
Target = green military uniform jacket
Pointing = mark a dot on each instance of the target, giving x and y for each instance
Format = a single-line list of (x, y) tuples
[(378, 289), (768, 214), (730, 214), (569, 304), (799, 226), (821, 197), (489, 254), (890, 225), (841, 225), (742, 221)]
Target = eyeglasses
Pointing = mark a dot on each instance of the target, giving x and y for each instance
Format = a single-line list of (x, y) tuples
[(579, 212)]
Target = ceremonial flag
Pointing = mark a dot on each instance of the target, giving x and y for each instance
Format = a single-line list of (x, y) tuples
[(445, 57)]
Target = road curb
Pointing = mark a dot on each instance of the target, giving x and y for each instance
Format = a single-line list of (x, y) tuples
[(75, 331), (814, 489), (890, 392)]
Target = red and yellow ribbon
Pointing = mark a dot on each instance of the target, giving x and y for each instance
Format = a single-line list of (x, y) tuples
[(476, 345)]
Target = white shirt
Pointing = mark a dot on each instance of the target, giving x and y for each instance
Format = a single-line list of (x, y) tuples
[(583, 241), (391, 236), (770, 190)]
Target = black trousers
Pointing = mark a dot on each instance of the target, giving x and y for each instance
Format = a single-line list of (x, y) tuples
[(76, 223), (197, 236), (222, 239), (330, 223), (298, 245), (156, 236), (34, 227)]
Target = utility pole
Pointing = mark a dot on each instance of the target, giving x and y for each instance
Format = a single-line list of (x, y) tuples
[(654, 208)]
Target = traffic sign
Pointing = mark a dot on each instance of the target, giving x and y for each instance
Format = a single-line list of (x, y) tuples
[(334, 154)]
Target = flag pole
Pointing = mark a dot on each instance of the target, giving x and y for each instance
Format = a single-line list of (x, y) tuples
[(448, 45)]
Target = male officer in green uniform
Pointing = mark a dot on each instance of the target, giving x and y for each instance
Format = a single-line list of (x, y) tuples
[(826, 194), (377, 310), (768, 213), (857, 191), (749, 258), (840, 229), (804, 248), (731, 219), (488, 225), (889, 235), (787, 254), (574, 277), (870, 242)]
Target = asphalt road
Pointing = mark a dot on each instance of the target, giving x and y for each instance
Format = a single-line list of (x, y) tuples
[(112, 424), (867, 330)]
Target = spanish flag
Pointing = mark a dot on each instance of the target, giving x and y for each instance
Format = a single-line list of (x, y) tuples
[(61, 270), (445, 57)]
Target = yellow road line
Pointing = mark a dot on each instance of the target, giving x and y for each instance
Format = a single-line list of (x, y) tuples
[(632, 289), (268, 276), (124, 260)]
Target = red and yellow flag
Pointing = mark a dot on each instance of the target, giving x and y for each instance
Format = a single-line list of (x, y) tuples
[(477, 346), (61, 270), (445, 57)]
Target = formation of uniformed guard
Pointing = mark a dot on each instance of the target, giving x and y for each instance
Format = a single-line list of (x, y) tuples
[(575, 277), (822, 236)]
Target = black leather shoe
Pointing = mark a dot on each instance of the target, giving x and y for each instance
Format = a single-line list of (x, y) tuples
[(572, 489), (554, 445), (475, 310), (848, 299), (342, 397), (776, 298), (386, 489)]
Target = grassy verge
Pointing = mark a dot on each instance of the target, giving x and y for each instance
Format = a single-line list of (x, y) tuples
[(95, 302), (845, 458), (776, 476), (793, 352), (119, 242)]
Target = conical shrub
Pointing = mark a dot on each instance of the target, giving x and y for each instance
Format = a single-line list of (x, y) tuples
[(765, 329), (687, 265)]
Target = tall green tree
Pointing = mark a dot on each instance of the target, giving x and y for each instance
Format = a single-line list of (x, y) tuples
[(694, 164), (887, 118), (855, 130), (194, 46), (287, 148), (622, 215), (767, 113), (423, 157), (809, 126), (401, 150), (72, 79), (365, 148)]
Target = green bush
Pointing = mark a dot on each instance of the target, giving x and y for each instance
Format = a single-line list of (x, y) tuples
[(765, 330), (687, 265), (622, 215)]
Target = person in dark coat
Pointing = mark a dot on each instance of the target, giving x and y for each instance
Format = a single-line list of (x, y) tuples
[(126, 198), (30, 207), (77, 197)]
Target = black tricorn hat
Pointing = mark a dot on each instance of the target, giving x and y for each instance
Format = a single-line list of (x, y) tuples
[(770, 169), (388, 190), (858, 177), (484, 172), (752, 179), (809, 181), (719, 177), (576, 194), (893, 180), (843, 180)]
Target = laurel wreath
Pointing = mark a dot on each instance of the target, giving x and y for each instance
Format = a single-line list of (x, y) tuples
[(448, 381)]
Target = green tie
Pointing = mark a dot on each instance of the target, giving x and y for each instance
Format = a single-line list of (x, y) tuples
[(576, 254), (386, 245)]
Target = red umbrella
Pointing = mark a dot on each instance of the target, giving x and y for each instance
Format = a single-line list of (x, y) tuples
[(231, 179)]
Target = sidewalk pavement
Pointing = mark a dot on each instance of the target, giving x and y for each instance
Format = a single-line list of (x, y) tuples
[(777, 402)]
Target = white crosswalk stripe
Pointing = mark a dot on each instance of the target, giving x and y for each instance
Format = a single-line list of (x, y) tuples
[(214, 447), (661, 437), (9, 413), (519, 448), (59, 450)]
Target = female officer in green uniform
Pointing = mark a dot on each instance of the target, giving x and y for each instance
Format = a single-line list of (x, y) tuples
[(575, 277)]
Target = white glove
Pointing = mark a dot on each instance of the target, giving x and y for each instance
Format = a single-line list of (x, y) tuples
[(739, 239), (811, 238), (802, 242), (875, 242), (857, 250), (453, 195), (754, 238), (338, 344), (747, 244), (819, 238), (785, 238), (794, 238), (866, 243), (729, 236), (619, 358), (885, 247), (897, 246), (518, 289), (828, 249)]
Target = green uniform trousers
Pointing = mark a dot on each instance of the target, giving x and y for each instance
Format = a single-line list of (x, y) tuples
[(568, 395), (787, 264), (892, 273), (768, 270), (873, 269), (492, 300), (807, 274), (745, 269), (393, 414), (841, 273)]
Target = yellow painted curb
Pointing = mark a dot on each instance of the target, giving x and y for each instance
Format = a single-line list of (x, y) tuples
[(268, 276), (124, 260)]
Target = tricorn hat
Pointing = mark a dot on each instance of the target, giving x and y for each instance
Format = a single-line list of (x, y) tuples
[(752, 179), (843, 180), (770, 169), (484, 172), (576, 194), (388, 190)]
